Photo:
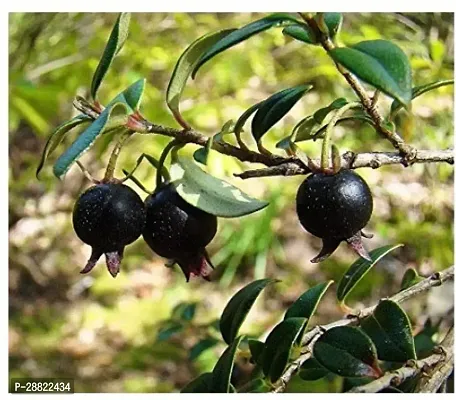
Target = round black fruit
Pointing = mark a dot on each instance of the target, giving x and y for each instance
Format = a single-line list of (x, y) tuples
[(335, 208), (108, 217), (179, 231)]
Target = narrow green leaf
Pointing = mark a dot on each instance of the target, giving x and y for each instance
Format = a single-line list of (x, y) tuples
[(320, 115), (380, 63), (390, 329), (360, 268), (115, 42), (112, 116), (275, 108), (348, 352), (201, 347), (300, 32), (202, 154), (227, 128), (224, 368), (278, 347), (239, 306), (209, 193), (184, 311), (169, 329), (333, 21), (306, 304), (184, 66), (410, 278), (256, 348), (201, 384), (131, 96), (242, 34), (419, 90), (312, 370), (245, 116), (57, 136)]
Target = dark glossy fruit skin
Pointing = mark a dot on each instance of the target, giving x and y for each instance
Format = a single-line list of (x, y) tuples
[(334, 206), (109, 216), (174, 228)]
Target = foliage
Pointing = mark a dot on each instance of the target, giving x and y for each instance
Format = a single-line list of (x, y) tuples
[(190, 331)]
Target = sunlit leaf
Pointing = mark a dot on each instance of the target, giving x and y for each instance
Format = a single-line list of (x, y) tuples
[(57, 136), (202, 154), (390, 330), (278, 346), (224, 368), (360, 268), (242, 34), (239, 306), (209, 193), (115, 42), (131, 96), (114, 115), (410, 278), (184, 66), (380, 63), (348, 352)]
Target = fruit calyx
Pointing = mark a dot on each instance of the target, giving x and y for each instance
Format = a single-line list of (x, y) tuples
[(179, 231), (335, 207), (108, 217)]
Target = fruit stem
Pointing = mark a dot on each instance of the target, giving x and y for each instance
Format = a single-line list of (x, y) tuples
[(161, 162), (109, 174), (326, 146)]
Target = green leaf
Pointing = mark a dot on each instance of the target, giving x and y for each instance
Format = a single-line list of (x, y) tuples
[(348, 352), (184, 66), (410, 278), (380, 63), (242, 34), (390, 330), (169, 329), (278, 347), (224, 368), (360, 268), (209, 193), (419, 90), (256, 348), (306, 304), (239, 306), (202, 154), (227, 128), (115, 42), (57, 136), (112, 116), (184, 311), (300, 32), (245, 116), (312, 370), (320, 115), (201, 384), (201, 347), (131, 96), (275, 108)]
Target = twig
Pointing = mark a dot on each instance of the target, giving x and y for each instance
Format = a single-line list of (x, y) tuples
[(414, 368), (368, 103), (311, 336), (285, 165), (350, 160), (442, 370)]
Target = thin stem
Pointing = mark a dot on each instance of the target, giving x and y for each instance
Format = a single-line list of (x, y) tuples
[(109, 174), (326, 146), (162, 159), (86, 173)]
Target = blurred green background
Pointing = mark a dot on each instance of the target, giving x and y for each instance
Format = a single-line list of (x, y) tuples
[(138, 332)]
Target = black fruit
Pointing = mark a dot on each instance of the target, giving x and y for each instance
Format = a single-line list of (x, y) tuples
[(108, 217), (179, 231), (335, 208)]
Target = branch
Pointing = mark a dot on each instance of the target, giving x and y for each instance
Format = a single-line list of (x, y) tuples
[(350, 160), (368, 103), (278, 165), (415, 368), (310, 337)]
